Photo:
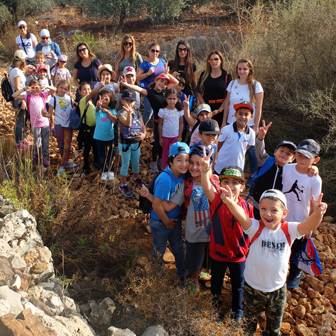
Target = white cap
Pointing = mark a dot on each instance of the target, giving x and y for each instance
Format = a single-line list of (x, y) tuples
[(45, 32), (128, 71), (274, 193), (20, 54), (22, 23)]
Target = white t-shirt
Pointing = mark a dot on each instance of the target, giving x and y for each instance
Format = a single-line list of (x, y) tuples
[(195, 137), (298, 189), (238, 94), (267, 262), (62, 110), (171, 122), (16, 72), (28, 45), (60, 74), (232, 153)]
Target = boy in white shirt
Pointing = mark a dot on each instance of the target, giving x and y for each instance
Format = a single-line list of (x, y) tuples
[(267, 262)]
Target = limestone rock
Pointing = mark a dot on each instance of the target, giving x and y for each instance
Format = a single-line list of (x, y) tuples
[(299, 311), (302, 330), (101, 314), (315, 283), (5, 249), (18, 263), (157, 331), (14, 299), (112, 331), (285, 328), (6, 272), (4, 307), (75, 325)]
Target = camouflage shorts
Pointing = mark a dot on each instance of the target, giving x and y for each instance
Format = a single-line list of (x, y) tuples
[(272, 303)]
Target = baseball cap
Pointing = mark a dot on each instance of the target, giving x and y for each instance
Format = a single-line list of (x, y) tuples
[(42, 67), (63, 58), (309, 148), (287, 144), (198, 150), (178, 148), (209, 126), (232, 171), (107, 67), (20, 54), (128, 71), (128, 95), (203, 107), (244, 104), (163, 76), (45, 32), (22, 23), (274, 193)]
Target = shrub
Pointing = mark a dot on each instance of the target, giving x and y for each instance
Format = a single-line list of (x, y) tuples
[(160, 12)]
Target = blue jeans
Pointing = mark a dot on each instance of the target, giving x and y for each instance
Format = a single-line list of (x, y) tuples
[(148, 111), (161, 235), (253, 161), (105, 155)]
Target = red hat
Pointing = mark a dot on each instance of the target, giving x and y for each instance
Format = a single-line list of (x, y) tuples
[(243, 104), (42, 67)]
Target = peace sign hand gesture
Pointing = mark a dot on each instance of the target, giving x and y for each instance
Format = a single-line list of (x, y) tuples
[(263, 130), (186, 101), (205, 162), (99, 102)]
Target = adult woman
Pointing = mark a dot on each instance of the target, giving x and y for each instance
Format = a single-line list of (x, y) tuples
[(48, 47), (86, 67), (127, 56), (212, 84), (147, 73), (245, 88), (183, 66), (26, 41)]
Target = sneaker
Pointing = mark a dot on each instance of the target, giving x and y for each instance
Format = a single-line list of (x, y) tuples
[(21, 146), (193, 289), (238, 316), (26, 142), (61, 171), (124, 189), (294, 278), (204, 276), (110, 176), (159, 162), (103, 176), (71, 164), (138, 182), (154, 167), (46, 162), (35, 160)]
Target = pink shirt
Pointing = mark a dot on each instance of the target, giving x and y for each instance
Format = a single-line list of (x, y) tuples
[(35, 107)]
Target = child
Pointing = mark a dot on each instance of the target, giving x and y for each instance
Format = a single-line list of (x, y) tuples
[(107, 76), (60, 72), (236, 139), (170, 123), (179, 89), (40, 125), (267, 261), (62, 105), (106, 117), (132, 132), (130, 75), (203, 112), (42, 73), (30, 72), (299, 188), (156, 96), (167, 226), (41, 60), (228, 243)]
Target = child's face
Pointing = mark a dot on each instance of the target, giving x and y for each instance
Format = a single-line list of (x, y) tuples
[(30, 70), (62, 90), (171, 100), (40, 59), (42, 74), (180, 164), (194, 166), (35, 89), (272, 213), (61, 64), (204, 115), (283, 155), (130, 79), (235, 185), (303, 163), (243, 116), (179, 88), (85, 90), (208, 139), (128, 102), (105, 100), (105, 77), (161, 84)]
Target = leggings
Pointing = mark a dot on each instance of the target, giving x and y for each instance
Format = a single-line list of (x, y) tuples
[(133, 155), (165, 150), (64, 137), (157, 149), (86, 135)]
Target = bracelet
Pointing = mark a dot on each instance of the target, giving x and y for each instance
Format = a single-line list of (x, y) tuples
[(205, 171)]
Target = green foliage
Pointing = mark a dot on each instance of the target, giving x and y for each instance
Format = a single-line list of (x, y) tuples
[(5, 14), (82, 242), (162, 12)]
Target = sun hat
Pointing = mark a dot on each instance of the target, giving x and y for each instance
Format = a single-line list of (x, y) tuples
[(232, 171), (178, 148), (274, 193), (45, 32), (107, 67), (309, 148), (243, 104), (209, 126)]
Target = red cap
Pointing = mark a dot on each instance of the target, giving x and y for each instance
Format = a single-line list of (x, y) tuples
[(42, 67)]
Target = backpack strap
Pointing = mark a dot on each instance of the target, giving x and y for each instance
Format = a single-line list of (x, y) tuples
[(226, 77), (284, 228), (28, 102), (258, 233), (23, 46)]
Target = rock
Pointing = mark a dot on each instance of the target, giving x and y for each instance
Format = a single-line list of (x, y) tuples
[(14, 299), (318, 310), (328, 219), (285, 329), (329, 290), (75, 325), (333, 299), (6, 272), (39, 268), (16, 283), (101, 314), (4, 307), (315, 283), (112, 331), (5, 249), (168, 257), (299, 311), (302, 330), (25, 280), (18, 263)]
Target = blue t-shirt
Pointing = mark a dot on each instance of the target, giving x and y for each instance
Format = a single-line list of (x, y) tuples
[(165, 186), (145, 66), (214, 147), (104, 130)]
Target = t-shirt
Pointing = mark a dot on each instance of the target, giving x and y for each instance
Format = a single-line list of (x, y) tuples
[(164, 188), (238, 94), (88, 74), (126, 62), (27, 45), (298, 189), (36, 105), (214, 89), (187, 89), (44, 82), (171, 122), (157, 100), (62, 109), (158, 69), (267, 262), (135, 114), (232, 153), (16, 72), (111, 86), (60, 74), (195, 137), (90, 117), (104, 130)]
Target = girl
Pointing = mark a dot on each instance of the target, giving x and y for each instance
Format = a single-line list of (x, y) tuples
[(41, 61), (108, 76), (245, 88), (60, 72), (170, 123), (129, 144), (106, 117), (40, 125), (26, 41), (156, 96), (130, 75), (62, 105)]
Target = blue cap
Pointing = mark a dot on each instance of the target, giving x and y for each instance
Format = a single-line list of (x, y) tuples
[(178, 148), (203, 107)]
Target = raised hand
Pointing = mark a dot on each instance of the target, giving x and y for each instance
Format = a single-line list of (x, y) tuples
[(318, 205), (263, 130), (176, 74), (205, 162), (99, 102), (128, 109), (226, 195), (186, 101)]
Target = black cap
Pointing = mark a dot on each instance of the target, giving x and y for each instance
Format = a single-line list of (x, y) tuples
[(288, 144), (128, 95), (309, 148), (198, 150), (232, 171), (209, 126)]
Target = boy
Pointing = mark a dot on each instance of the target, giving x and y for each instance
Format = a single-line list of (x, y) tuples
[(299, 188), (228, 243), (267, 262), (179, 89), (42, 73), (236, 139)]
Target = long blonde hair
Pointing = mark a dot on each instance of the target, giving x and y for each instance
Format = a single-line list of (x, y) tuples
[(208, 69), (250, 77), (121, 54)]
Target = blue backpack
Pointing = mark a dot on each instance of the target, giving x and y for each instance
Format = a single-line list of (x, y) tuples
[(76, 120)]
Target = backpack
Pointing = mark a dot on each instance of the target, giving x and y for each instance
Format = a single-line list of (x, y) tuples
[(130, 132), (145, 204), (76, 120), (6, 89)]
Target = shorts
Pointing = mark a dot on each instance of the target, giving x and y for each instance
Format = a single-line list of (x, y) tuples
[(195, 255)]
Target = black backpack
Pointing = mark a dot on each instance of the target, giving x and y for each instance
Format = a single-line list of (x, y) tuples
[(144, 204), (6, 89)]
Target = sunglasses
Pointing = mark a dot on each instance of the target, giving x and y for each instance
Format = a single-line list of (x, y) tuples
[(62, 61), (81, 50), (213, 60), (183, 49), (128, 44), (155, 51), (22, 27), (45, 38)]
